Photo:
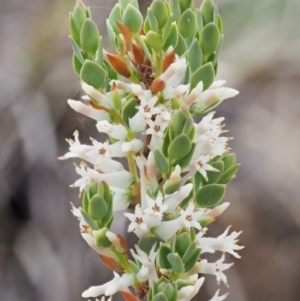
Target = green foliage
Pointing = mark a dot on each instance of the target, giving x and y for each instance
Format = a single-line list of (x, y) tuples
[(210, 195), (132, 18), (93, 74), (147, 241), (204, 74)]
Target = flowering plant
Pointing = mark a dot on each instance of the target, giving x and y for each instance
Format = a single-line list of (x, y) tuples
[(145, 98)]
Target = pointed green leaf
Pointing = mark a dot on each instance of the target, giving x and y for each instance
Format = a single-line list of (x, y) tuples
[(93, 225), (161, 161), (97, 207), (195, 56), (76, 50), (169, 291), (183, 240), (153, 23), (209, 38), (164, 251), (172, 39), (154, 40), (199, 21), (229, 160), (177, 123), (185, 4), (77, 18), (187, 24), (111, 34), (85, 201), (93, 75), (129, 110), (176, 263), (167, 30), (132, 18), (147, 241), (175, 9), (159, 297), (160, 11), (206, 74), (190, 251), (191, 263), (180, 147), (220, 24), (210, 195), (207, 11), (181, 46), (229, 174), (185, 161), (76, 64), (114, 17), (89, 36)]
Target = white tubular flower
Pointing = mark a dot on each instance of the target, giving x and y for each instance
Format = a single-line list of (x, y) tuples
[(119, 179), (217, 269), (174, 177), (116, 131), (137, 221), (95, 94), (85, 179), (191, 217), (111, 287), (210, 215), (208, 124), (216, 297), (167, 229), (155, 211), (88, 111), (156, 130), (201, 164), (176, 92), (188, 292), (192, 97), (148, 270), (134, 145), (222, 243), (174, 200), (173, 76)]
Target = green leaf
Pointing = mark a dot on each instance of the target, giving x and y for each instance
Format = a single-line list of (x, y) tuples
[(220, 24), (184, 162), (93, 75), (85, 201), (164, 251), (124, 3), (206, 74), (97, 207), (167, 30), (76, 50), (210, 38), (172, 39), (132, 18), (154, 40), (112, 74), (229, 174), (191, 263), (181, 46), (180, 147), (207, 11), (161, 161), (214, 176), (169, 291), (183, 240), (175, 9), (76, 64), (93, 225), (89, 36), (153, 23), (114, 17), (185, 4), (195, 56), (187, 24), (210, 195), (166, 143), (101, 238), (147, 241), (77, 18), (159, 297), (111, 35), (199, 21), (134, 267), (229, 160), (176, 263), (190, 251), (189, 127), (177, 123), (129, 110), (160, 11), (100, 52)]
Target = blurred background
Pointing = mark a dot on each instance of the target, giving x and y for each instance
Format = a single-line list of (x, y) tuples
[(42, 255)]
